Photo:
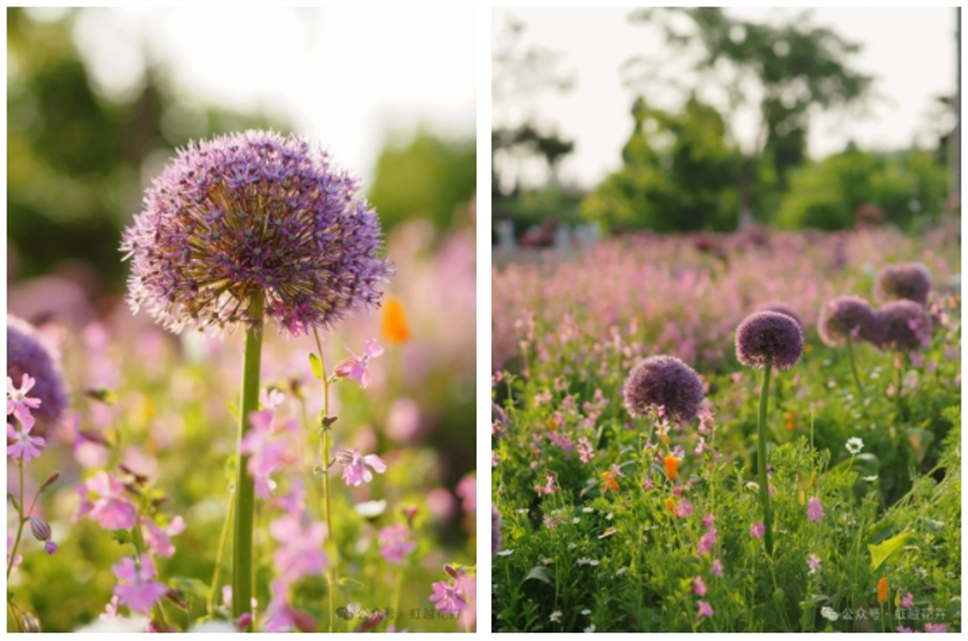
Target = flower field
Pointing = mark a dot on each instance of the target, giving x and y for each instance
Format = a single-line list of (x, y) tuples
[(124, 443), (637, 387)]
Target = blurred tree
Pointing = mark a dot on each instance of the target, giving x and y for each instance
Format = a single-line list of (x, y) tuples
[(826, 195), (679, 174), (427, 178), (76, 163), (791, 70)]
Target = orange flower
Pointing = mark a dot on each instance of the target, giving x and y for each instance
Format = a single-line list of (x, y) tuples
[(664, 438), (791, 421), (609, 481), (813, 479), (671, 467), (882, 590), (552, 424), (672, 505), (395, 328), (807, 348)]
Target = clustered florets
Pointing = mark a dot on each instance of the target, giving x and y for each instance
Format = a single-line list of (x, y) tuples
[(247, 215), (903, 326), (846, 316), (902, 281), (663, 382), (769, 338), (28, 353)]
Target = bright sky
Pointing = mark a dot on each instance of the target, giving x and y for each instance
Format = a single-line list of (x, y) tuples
[(911, 52), (344, 76)]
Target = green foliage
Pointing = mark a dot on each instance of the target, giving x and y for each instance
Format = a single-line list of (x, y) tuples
[(687, 184), (826, 194), (428, 178)]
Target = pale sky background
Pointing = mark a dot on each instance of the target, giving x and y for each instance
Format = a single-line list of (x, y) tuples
[(343, 76), (911, 52)]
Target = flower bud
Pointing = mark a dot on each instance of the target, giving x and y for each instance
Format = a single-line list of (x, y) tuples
[(39, 528)]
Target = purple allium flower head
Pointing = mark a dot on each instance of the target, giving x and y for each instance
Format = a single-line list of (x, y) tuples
[(903, 326), (903, 281), (254, 212), (780, 308), (845, 316), (29, 353), (769, 338), (663, 382)]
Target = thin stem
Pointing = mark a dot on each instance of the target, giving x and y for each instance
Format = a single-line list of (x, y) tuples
[(20, 514), (327, 505), (900, 380), (761, 460), (242, 575), (853, 367), (218, 556)]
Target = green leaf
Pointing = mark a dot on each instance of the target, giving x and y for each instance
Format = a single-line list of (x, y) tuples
[(316, 365), (349, 585), (865, 464), (881, 552), (13, 500), (122, 536), (540, 573)]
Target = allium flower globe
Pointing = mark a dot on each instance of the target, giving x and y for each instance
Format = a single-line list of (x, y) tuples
[(663, 382), (780, 308), (904, 326), (903, 281), (254, 212), (846, 316), (28, 353), (769, 338)]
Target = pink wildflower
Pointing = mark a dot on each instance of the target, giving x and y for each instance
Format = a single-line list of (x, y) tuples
[(814, 563), (138, 591), (18, 403), (355, 470), (707, 521), (705, 610), (585, 450), (935, 627), (24, 445), (707, 541), (267, 452), (698, 586), (394, 544), (814, 509), (907, 601), (300, 552), (757, 530), (549, 487), (467, 490), (281, 616), (356, 366), (112, 509), (110, 610), (683, 509), (716, 569), (448, 598), (159, 540)]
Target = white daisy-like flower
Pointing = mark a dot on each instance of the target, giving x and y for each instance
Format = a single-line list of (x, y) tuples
[(753, 486), (590, 628), (586, 612), (594, 562), (609, 516), (547, 561), (828, 613), (371, 509), (588, 510), (523, 511), (505, 552), (575, 521), (854, 445), (583, 561), (622, 570), (920, 572), (572, 545), (555, 616)]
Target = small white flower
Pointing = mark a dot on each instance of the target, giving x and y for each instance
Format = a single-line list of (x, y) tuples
[(870, 479), (753, 486), (920, 572), (588, 510), (594, 562), (523, 511), (505, 552), (547, 561), (572, 545), (555, 616), (586, 612), (854, 445), (827, 613), (590, 628), (610, 516), (583, 561), (622, 570), (576, 521)]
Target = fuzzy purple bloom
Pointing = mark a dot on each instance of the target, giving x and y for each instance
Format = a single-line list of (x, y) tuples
[(847, 316), (903, 326), (903, 281), (666, 382), (28, 353), (254, 214), (769, 338), (780, 308)]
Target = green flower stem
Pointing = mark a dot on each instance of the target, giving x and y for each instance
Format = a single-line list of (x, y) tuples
[(218, 557), (900, 381), (244, 485), (853, 367), (761, 460), (327, 503), (20, 515)]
